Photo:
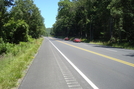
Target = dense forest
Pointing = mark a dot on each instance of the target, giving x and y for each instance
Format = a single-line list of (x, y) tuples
[(105, 20), (19, 21), (48, 31)]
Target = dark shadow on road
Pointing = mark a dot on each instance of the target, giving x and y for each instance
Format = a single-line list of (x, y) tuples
[(103, 46), (130, 55)]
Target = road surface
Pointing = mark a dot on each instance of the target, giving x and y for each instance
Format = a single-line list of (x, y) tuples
[(63, 64)]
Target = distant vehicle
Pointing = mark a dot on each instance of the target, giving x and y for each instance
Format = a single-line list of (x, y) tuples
[(76, 40), (66, 38)]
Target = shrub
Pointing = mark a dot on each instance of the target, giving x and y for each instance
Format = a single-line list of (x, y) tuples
[(16, 31), (16, 60)]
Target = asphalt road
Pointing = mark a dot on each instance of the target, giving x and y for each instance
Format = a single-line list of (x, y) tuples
[(63, 64)]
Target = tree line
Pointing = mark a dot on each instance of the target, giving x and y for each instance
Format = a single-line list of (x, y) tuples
[(19, 21), (106, 20)]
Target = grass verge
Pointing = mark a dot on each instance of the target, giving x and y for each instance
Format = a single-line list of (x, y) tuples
[(13, 64)]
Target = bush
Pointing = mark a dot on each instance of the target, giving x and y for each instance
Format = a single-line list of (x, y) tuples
[(16, 31), (16, 60), (6, 47)]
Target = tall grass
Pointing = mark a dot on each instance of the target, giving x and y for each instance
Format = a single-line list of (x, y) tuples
[(15, 61)]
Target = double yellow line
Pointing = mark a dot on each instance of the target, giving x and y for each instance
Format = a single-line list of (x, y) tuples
[(114, 59)]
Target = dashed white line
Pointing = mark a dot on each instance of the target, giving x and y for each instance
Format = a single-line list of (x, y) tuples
[(83, 75), (72, 83)]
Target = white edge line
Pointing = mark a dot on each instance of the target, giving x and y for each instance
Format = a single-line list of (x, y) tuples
[(84, 76)]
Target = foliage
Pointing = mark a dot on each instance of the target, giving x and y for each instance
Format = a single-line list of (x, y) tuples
[(16, 31), (107, 20), (13, 64), (27, 11), (19, 20), (48, 32)]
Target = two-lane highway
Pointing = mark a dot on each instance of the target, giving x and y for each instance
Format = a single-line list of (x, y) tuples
[(106, 67), (67, 65)]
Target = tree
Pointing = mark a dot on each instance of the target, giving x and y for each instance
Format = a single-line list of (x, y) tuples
[(107, 20), (16, 31), (4, 15), (64, 16), (26, 10)]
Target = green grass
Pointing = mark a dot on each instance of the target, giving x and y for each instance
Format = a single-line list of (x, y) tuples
[(13, 64)]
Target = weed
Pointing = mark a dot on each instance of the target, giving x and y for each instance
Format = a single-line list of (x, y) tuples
[(16, 61)]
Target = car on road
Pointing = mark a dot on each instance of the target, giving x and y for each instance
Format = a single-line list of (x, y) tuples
[(76, 40), (66, 38)]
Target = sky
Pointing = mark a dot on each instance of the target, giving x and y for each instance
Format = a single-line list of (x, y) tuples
[(49, 10)]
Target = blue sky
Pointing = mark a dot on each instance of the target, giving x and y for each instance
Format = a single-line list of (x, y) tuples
[(48, 10)]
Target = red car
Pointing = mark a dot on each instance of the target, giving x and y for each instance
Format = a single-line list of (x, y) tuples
[(76, 40), (66, 38)]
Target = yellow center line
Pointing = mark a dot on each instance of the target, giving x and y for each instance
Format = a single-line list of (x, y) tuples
[(114, 59)]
